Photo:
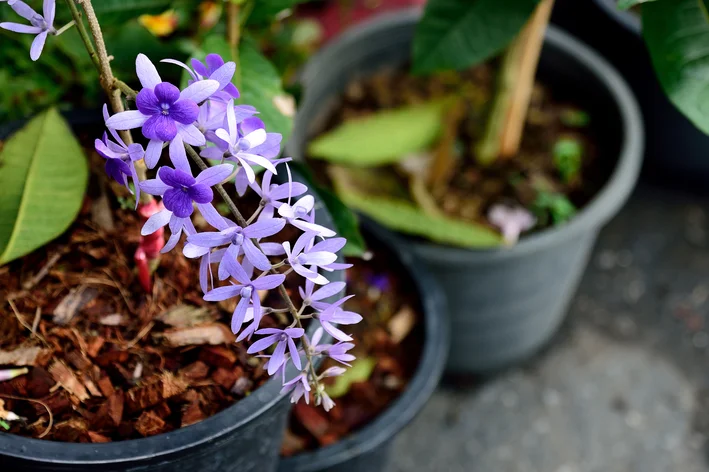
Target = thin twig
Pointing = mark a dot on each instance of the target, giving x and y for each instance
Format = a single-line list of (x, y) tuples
[(76, 14), (29, 285), (46, 407), (24, 323)]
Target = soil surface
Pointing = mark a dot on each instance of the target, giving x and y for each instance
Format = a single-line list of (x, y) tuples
[(467, 189), (389, 337)]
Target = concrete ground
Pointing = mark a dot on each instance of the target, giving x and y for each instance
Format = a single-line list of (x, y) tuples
[(622, 388)]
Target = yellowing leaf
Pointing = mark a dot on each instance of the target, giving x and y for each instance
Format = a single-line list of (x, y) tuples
[(360, 371)]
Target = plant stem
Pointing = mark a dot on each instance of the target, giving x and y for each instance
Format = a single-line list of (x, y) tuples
[(76, 15), (515, 84), (233, 34), (241, 221), (109, 83), (65, 27)]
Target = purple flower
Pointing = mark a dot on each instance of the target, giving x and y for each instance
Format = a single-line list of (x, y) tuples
[(305, 254), (512, 221), (120, 159), (179, 190), (300, 387), (313, 298), (271, 193), (237, 148), (215, 69), (282, 338), (246, 289), (333, 314), (40, 25), (238, 239), (337, 352), (324, 399), (299, 215), (164, 113)]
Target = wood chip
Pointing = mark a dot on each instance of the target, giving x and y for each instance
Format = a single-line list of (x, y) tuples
[(94, 346), (72, 303), (311, 418), (146, 396), (192, 414), (22, 356), (112, 357), (224, 377), (106, 386), (149, 424), (195, 371), (98, 438), (217, 356), (73, 430), (185, 316), (212, 333), (66, 378), (90, 385), (79, 360), (401, 324)]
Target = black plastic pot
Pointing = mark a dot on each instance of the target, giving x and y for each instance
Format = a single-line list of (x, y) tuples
[(245, 437), (504, 303), (368, 449), (675, 150)]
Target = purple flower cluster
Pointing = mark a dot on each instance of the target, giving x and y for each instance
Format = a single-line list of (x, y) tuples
[(236, 142)]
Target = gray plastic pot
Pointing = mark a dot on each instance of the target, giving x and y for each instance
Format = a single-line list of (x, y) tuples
[(245, 437), (675, 150), (368, 449), (505, 303)]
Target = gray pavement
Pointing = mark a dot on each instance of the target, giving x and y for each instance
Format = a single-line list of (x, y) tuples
[(624, 386)]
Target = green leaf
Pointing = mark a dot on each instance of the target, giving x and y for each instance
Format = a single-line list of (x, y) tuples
[(401, 215), (43, 180), (677, 34), (381, 138), (628, 4), (455, 34), (257, 80), (568, 153), (118, 11), (345, 220), (360, 371), (555, 204)]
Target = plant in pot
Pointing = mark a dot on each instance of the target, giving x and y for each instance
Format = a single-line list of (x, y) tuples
[(401, 348), (463, 160), (125, 348)]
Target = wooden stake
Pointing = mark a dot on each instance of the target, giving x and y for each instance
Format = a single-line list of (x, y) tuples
[(516, 82)]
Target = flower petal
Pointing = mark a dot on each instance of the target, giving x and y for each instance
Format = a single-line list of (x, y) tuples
[(224, 74), (20, 28), (264, 343), (184, 111), (166, 94), (268, 282), (22, 9), (256, 257), (178, 155), (239, 314), (262, 229), (191, 134), (155, 222), (147, 102), (212, 216), (209, 239), (333, 288), (127, 120), (200, 193), (160, 127), (215, 175), (178, 202), (153, 153), (146, 71), (277, 358), (49, 9), (200, 91), (222, 293), (154, 186)]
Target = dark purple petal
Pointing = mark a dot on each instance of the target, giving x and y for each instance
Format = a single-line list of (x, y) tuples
[(184, 111), (135, 152), (214, 62), (199, 67), (147, 102), (117, 170), (200, 193), (160, 127), (179, 178), (167, 94), (232, 90), (178, 202)]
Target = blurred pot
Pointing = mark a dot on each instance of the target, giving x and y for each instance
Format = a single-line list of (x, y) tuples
[(504, 303)]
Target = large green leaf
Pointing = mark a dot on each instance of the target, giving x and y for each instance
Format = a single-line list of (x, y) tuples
[(117, 11), (401, 215), (677, 35), (43, 174), (382, 138), (455, 34), (257, 80)]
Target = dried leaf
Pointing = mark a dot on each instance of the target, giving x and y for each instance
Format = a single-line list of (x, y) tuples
[(66, 378), (22, 356), (185, 316), (401, 324), (212, 333), (72, 303), (311, 418), (115, 319)]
